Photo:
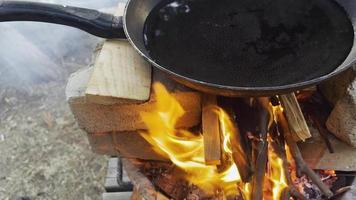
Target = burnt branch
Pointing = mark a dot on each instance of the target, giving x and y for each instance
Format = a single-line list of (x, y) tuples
[(319, 123), (298, 156), (278, 145)]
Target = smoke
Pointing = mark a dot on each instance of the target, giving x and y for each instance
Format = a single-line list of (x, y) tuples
[(33, 52)]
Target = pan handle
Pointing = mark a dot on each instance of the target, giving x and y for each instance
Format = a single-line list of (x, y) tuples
[(92, 21)]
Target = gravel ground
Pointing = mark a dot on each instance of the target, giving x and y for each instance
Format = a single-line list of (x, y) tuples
[(43, 153)]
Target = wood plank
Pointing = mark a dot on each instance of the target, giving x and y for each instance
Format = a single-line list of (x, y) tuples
[(295, 117), (98, 118), (124, 144), (211, 130), (102, 143), (342, 120), (133, 145), (120, 74)]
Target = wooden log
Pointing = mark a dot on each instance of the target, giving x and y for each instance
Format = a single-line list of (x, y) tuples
[(133, 145), (172, 184), (211, 130), (261, 152), (120, 74), (295, 117), (137, 196), (98, 118), (144, 187), (240, 158), (238, 144), (246, 119), (139, 192), (125, 144), (102, 143), (298, 157)]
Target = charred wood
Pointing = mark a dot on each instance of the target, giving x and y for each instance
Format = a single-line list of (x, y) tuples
[(239, 143), (278, 145), (261, 151), (303, 167), (171, 184), (143, 186)]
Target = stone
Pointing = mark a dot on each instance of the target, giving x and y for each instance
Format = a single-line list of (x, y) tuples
[(342, 121)]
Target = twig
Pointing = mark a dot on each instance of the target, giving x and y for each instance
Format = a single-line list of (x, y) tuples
[(340, 192), (322, 131), (298, 156), (278, 146)]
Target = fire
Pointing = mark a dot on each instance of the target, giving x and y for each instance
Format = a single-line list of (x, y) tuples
[(186, 149), (276, 174)]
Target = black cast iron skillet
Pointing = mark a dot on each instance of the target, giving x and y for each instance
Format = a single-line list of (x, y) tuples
[(230, 82)]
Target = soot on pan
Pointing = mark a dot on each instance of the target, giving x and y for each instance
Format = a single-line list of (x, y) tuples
[(249, 43)]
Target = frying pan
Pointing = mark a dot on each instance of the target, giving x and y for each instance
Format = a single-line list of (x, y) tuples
[(263, 80)]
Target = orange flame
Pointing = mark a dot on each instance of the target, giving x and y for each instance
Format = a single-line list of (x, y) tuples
[(186, 149), (276, 174)]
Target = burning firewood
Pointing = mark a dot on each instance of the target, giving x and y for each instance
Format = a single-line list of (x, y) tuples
[(278, 144), (303, 167), (260, 155), (143, 186), (240, 158), (211, 131), (239, 144)]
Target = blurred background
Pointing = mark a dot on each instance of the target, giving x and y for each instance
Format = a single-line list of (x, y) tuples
[(43, 154)]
